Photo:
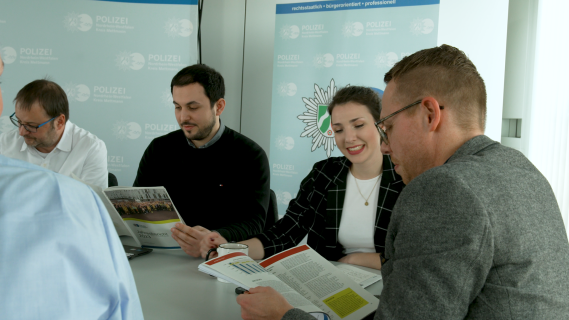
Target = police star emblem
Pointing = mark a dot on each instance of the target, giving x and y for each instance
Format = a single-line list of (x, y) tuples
[(318, 120), (123, 60), (71, 21), (172, 27)]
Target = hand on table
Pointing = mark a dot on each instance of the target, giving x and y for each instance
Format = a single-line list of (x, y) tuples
[(189, 238), (210, 241), (262, 303), (364, 259)]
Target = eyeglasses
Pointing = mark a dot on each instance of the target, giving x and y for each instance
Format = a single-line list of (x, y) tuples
[(378, 124), (18, 124)]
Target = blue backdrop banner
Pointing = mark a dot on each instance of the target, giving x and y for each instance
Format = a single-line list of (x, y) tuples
[(321, 47), (115, 60)]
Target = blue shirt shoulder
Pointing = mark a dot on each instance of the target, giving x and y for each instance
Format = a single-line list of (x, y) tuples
[(60, 256)]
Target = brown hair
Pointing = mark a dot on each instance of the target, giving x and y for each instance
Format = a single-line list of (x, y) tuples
[(362, 95), (48, 94), (447, 74), (211, 81)]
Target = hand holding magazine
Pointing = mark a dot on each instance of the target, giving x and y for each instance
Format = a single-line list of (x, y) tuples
[(305, 279)]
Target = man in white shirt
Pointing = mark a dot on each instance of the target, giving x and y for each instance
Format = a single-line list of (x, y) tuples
[(45, 136)]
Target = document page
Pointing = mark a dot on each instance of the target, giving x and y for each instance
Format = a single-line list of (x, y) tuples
[(361, 277), (148, 212), (243, 271), (322, 283)]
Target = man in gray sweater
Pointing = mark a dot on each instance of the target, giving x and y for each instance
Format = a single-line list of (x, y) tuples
[(477, 233)]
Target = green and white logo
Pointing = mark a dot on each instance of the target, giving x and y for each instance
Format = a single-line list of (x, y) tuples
[(286, 89), (285, 143), (9, 55), (386, 60), (175, 27), (78, 92), (324, 121), (323, 60), (289, 32), (130, 61), (317, 119), (352, 29), (283, 197), (421, 26), (123, 130), (82, 22)]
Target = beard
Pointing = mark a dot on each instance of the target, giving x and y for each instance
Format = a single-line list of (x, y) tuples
[(202, 132), (46, 141)]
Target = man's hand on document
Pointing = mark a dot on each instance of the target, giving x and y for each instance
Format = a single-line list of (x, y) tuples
[(262, 303)]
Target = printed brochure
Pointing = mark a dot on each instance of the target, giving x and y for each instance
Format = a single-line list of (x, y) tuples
[(146, 214), (306, 280)]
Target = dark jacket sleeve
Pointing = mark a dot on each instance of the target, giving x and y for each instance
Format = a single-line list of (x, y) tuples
[(297, 314), (254, 198), (293, 227)]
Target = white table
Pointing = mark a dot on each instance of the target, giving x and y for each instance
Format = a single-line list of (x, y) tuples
[(171, 287)]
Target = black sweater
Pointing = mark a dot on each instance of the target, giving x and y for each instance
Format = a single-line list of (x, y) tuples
[(224, 187)]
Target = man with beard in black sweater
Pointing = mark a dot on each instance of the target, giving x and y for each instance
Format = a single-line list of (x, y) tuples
[(217, 178)]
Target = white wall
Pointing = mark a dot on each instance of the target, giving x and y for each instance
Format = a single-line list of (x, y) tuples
[(478, 27), (547, 114), (223, 25), (520, 56)]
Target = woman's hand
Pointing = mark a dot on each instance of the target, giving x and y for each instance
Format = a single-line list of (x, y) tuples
[(364, 259)]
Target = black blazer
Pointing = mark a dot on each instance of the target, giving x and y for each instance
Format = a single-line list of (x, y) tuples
[(317, 210)]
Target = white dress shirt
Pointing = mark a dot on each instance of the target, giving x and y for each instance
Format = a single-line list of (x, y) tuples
[(357, 225), (79, 152), (60, 255)]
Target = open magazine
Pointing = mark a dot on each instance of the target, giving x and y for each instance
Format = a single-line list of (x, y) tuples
[(306, 280), (146, 214)]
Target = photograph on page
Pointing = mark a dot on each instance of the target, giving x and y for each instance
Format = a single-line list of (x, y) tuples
[(148, 212)]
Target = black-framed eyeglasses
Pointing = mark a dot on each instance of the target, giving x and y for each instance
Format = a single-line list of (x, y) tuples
[(28, 127), (378, 124)]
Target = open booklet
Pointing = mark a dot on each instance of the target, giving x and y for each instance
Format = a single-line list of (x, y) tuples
[(146, 214), (306, 280)]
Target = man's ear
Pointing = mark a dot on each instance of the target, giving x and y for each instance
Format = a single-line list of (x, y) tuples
[(219, 106), (433, 112), (60, 121)]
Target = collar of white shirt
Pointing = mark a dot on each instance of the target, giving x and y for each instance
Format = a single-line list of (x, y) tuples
[(66, 139)]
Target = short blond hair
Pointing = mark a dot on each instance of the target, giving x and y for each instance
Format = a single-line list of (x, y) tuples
[(445, 73)]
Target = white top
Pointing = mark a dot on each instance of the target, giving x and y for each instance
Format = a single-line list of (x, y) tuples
[(357, 225), (79, 152)]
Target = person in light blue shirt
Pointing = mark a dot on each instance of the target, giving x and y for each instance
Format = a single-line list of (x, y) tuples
[(60, 256)]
